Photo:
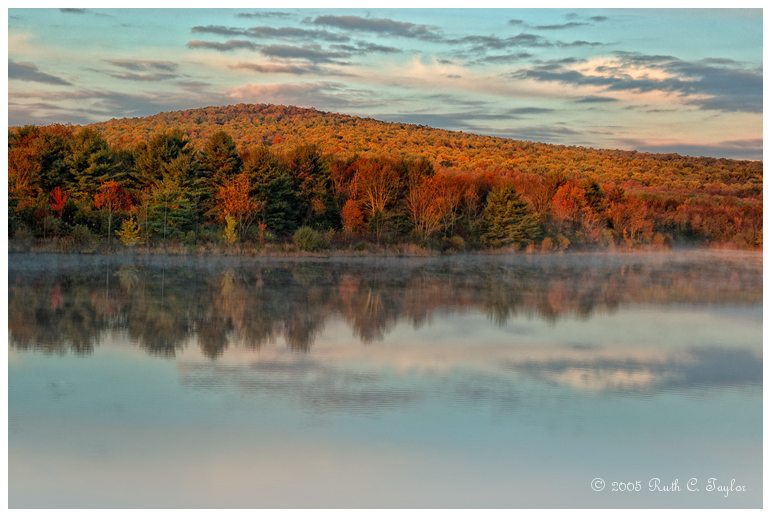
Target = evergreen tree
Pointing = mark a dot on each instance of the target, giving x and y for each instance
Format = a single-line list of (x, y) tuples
[(311, 176), (507, 219), (90, 163), (274, 191), (152, 158), (219, 159)]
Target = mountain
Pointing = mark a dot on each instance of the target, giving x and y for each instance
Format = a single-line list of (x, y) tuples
[(284, 127), (231, 173)]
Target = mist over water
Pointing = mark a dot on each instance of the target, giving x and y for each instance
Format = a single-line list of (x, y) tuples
[(445, 382)]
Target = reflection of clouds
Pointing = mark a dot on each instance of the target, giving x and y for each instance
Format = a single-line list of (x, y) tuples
[(350, 378), (709, 367), (314, 385)]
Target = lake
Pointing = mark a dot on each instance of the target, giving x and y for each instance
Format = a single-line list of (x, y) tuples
[(577, 380)]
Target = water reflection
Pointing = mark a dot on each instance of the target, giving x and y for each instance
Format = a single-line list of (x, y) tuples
[(56, 308), (446, 380)]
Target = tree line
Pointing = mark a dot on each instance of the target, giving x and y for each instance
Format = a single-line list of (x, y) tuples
[(69, 185)]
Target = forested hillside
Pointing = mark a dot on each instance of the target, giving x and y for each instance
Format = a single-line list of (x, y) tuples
[(261, 175)]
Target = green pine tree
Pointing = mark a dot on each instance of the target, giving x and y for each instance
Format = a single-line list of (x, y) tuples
[(508, 220)]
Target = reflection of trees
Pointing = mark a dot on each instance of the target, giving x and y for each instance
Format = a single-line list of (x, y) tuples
[(162, 309)]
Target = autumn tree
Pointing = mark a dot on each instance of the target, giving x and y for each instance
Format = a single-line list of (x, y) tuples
[(58, 201), (234, 202), (351, 217), (375, 186), (432, 203), (111, 197)]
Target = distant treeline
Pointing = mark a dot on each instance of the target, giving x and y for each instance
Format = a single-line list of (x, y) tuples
[(70, 186)]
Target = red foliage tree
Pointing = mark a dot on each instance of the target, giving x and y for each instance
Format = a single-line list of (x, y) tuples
[(57, 201), (111, 197)]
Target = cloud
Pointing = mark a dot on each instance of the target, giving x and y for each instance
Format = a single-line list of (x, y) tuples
[(364, 47), (529, 111), (321, 95), (287, 68), (598, 19), (295, 33), (310, 53), (524, 39), (380, 26), (558, 26), (271, 32), (104, 103), (743, 149), (721, 88), (223, 47), (506, 58), (595, 99), (264, 14), (139, 65), (132, 76), (219, 30), (71, 10), (30, 72)]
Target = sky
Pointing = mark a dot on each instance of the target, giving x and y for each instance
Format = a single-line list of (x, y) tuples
[(681, 80)]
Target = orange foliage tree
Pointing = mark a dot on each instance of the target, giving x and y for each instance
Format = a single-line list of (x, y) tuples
[(113, 198), (234, 200)]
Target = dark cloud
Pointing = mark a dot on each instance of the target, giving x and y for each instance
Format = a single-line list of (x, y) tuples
[(364, 47), (111, 103), (529, 111), (558, 26), (719, 61), (524, 39), (194, 84), (748, 149), (595, 99), (380, 26), (227, 46), (264, 14), (310, 53), (506, 58), (30, 72), (140, 65), (719, 88), (71, 10), (287, 68), (321, 95), (271, 32), (220, 30), (295, 33), (133, 76)]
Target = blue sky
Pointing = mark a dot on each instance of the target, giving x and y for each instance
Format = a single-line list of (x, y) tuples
[(687, 81)]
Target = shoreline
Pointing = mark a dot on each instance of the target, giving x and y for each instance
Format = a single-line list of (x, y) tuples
[(373, 252)]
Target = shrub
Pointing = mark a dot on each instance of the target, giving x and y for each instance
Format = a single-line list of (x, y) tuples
[(82, 234), (308, 239), (229, 234), (129, 232)]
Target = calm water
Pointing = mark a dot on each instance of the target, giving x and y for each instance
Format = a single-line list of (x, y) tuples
[(482, 382)]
